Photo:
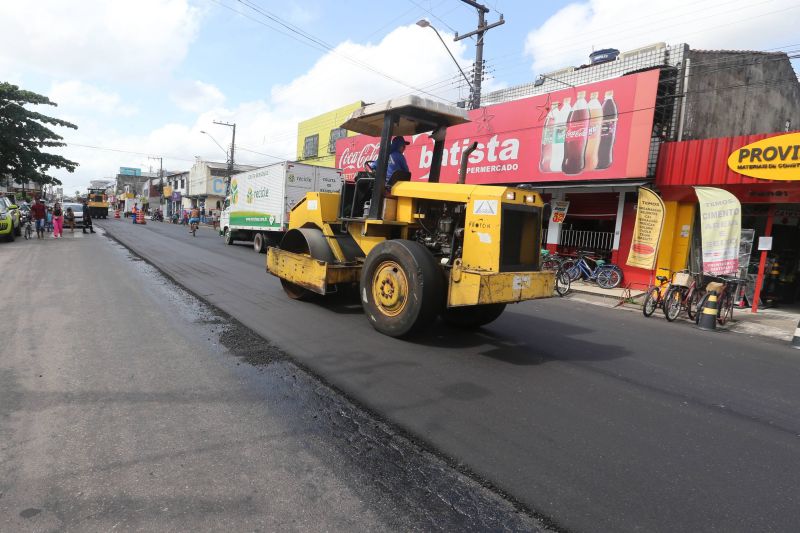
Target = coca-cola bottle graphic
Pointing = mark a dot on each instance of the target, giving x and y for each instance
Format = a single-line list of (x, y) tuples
[(593, 135), (575, 140), (559, 133), (548, 131), (608, 132)]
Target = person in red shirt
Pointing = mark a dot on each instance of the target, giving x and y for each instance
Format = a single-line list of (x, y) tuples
[(39, 214)]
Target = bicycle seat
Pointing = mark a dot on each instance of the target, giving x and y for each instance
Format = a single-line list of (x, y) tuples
[(662, 278)]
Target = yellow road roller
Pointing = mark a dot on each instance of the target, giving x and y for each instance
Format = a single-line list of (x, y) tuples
[(416, 250)]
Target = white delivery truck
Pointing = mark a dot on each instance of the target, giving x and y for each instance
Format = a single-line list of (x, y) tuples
[(257, 208)]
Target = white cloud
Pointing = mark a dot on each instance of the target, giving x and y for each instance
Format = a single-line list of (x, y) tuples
[(569, 35), (76, 96), (197, 96), (97, 38), (411, 54)]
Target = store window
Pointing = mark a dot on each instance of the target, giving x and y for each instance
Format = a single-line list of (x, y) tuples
[(182, 184), (336, 134), (311, 146)]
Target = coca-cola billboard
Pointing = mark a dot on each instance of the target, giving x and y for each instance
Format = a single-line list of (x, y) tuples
[(597, 131)]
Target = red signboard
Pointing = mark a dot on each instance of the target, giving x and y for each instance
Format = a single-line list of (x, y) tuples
[(682, 165), (597, 131)]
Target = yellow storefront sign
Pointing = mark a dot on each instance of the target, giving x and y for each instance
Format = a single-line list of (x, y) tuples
[(774, 158), (647, 230)]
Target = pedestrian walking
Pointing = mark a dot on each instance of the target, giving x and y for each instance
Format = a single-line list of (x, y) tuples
[(39, 214), (69, 219), (49, 223), (58, 221), (87, 218)]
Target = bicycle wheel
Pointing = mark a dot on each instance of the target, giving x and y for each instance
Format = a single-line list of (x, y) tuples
[(693, 304), (650, 301), (672, 303), (725, 311), (609, 278), (562, 282)]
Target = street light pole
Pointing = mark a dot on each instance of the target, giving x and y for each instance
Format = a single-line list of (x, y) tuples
[(230, 159), (482, 28), (422, 23)]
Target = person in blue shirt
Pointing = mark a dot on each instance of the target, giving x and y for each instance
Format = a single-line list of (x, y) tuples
[(397, 161)]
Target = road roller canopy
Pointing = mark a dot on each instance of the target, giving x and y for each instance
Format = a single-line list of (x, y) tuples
[(414, 115)]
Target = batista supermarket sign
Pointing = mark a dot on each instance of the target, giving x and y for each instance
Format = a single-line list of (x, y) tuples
[(773, 158), (597, 131)]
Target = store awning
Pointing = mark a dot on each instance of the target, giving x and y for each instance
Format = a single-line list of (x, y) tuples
[(611, 186)]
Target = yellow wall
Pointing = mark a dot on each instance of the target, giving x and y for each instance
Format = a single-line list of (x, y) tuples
[(677, 236), (322, 125)]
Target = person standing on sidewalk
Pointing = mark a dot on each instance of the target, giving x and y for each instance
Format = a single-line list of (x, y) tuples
[(87, 217), (39, 214), (58, 221)]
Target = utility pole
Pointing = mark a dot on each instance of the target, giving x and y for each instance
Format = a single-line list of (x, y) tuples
[(230, 158), (475, 100), (160, 178)]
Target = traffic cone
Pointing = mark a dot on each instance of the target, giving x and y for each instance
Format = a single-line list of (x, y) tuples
[(116, 213), (140, 217), (708, 318), (796, 338)]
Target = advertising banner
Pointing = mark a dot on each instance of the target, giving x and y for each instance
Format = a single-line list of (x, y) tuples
[(559, 208), (597, 131), (773, 158), (721, 228), (646, 230)]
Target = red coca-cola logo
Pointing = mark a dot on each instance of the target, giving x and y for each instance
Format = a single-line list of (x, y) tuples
[(355, 159)]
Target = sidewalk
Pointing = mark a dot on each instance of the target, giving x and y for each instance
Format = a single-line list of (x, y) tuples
[(774, 323)]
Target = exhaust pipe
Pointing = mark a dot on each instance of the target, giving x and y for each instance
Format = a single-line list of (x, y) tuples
[(462, 168)]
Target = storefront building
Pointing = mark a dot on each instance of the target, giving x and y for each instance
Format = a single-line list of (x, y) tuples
[(592, 136), (317, 136), (770, 207), (206, 185)]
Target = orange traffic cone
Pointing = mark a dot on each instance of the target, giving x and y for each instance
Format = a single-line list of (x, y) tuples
[(116, 213), (140, 217)]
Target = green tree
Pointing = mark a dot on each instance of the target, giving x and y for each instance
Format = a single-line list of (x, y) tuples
[(23, 135)]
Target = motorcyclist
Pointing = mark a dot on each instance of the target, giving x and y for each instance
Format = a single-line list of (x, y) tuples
[(194, 218)]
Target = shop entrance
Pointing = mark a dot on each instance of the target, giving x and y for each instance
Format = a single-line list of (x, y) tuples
[(781, 283), (590, 224)]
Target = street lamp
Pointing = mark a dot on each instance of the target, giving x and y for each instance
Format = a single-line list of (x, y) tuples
[(422, 23), (215, 142)]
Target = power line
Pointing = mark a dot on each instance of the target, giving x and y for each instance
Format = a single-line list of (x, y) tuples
[(315, 42)]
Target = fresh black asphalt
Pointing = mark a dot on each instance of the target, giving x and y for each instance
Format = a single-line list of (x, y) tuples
[(598, 419)]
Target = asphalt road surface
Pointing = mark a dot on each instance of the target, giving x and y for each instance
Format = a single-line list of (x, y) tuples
[(128, 405), (599, 420)]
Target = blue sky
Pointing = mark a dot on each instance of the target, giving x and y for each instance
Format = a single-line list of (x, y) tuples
[(144, 78)]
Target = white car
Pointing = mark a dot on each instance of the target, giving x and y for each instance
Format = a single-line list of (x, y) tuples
[(78, 210)]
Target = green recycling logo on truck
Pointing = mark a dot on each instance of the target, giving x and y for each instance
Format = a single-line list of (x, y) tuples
[(247, 218), (234, 191)]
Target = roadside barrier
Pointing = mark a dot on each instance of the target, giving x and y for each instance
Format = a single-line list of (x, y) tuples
[(796, 337), (140, 217), (708, 318)]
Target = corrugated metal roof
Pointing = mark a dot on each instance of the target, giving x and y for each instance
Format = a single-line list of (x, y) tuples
[(704, 161)]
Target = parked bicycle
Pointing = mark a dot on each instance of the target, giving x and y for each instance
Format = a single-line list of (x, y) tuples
[(551, 260), (657, 295), (563, 282), (685, 293), (606, 275), (726, 289)]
